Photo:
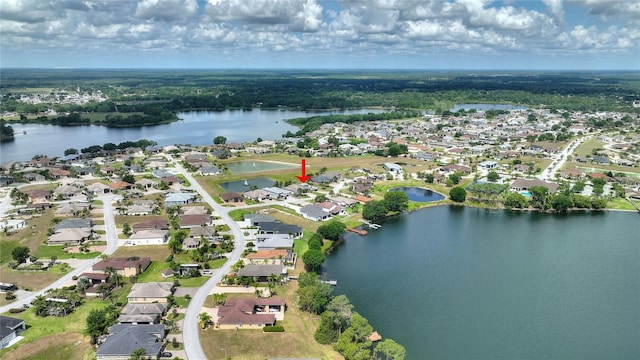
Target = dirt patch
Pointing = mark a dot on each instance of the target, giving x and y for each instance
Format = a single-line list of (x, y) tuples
[(71, 346), (76, 249)]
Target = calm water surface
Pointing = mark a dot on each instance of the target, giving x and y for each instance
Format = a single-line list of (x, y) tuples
[(196, 128), (462, 283), (247, 167), (419, 194)]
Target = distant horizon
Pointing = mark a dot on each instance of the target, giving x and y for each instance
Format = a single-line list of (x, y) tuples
[(324, 69)]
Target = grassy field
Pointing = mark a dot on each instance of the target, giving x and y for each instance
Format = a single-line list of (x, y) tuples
[(32, 236), (68, 346), (37, 337), (586, 147), (620, 204), (295, 342), (32, 280)]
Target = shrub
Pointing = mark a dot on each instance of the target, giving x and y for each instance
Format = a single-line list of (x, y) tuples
[(274, 328), (16, 310)]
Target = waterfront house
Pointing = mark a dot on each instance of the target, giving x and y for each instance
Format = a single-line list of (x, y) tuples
[(250, 313), (232, 197), (142, 313)]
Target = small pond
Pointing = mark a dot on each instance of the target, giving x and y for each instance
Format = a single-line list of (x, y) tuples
[(245, 167), (420, 194), (246, 185)]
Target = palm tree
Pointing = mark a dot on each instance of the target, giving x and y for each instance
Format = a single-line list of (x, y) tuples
[(205, 319)]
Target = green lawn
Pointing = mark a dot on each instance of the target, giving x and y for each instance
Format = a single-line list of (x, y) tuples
[(46, 251), (38, 327), (193, 282), (620, 204), (585, 148), (154, 272)]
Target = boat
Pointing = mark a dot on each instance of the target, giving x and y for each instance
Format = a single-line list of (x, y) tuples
[(246, 183)]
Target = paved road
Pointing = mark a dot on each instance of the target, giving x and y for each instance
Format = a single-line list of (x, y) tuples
[(560, 159), (112, 245), (192, 345)]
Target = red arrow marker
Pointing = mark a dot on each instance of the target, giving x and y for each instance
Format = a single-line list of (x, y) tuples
[(304, 176)]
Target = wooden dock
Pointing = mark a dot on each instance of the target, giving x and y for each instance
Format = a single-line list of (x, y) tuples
[(371, 225), (358, 231), (330, 282)]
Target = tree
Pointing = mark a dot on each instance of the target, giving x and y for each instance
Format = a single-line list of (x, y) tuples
[(313, 260), (126, 229), (332, 230), (99, 320), (205, 319), (129, 179), (138, 354), (455, 178), (374, 210), (458, 194), (429, 178), (219, 140), (20, 254), (561, 202), (313, 295), (315, 244), (320, 198), (354, 343), (515, 200), (493, 176), (70, 151), (327, 331), (539, 197), (396, 201), (389, 350)]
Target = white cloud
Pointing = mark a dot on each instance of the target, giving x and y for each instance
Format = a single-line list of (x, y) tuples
[(298, 15), (166, 10)]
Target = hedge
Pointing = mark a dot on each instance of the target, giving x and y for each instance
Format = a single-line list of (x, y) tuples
[(274, 328)]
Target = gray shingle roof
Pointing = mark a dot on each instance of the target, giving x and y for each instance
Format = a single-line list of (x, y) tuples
[(126, 338)]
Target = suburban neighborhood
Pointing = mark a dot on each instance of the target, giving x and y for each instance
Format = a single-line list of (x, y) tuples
[(177, 245)]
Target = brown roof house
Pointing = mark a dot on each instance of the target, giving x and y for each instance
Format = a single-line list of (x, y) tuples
[(250, 313), (123, 266)]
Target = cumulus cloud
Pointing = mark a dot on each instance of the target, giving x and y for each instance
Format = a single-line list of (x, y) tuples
[(357, 27), (298, 15), (166, 10)]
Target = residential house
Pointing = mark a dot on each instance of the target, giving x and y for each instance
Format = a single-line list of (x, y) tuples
[(142, 313), (232, 197), (10, 329), (274, 227), (255, 219), (206, 232), (526, 184), (262, 272), (69, 237), (151, 225), (150, 292), (250, 313), (179, 199), (39, 196), (33, 177), (72, 209), (195, 220), (392, 168), (98, 188), (274, 241), (120, 185), (271, 256), (209, 170), (124, 339), (141, 207), (257, 195), (277, 193), (9, 226), (66, 191), (148, 237), (132, 266), (314, 212), (145, 183)]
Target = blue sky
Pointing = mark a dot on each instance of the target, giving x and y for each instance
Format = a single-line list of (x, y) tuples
[(335, 34)]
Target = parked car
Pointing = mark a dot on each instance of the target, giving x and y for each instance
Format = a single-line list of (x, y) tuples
[(166, 354)]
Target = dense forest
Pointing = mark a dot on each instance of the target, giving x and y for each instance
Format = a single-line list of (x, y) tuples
[(159, 94)]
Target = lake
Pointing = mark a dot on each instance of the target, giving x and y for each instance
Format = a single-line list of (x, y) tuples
[(462, 283), (419, 194), (247, 167), (196, 128)]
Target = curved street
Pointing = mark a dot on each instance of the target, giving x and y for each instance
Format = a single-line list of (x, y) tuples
[(190, 336), (112, 245)]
